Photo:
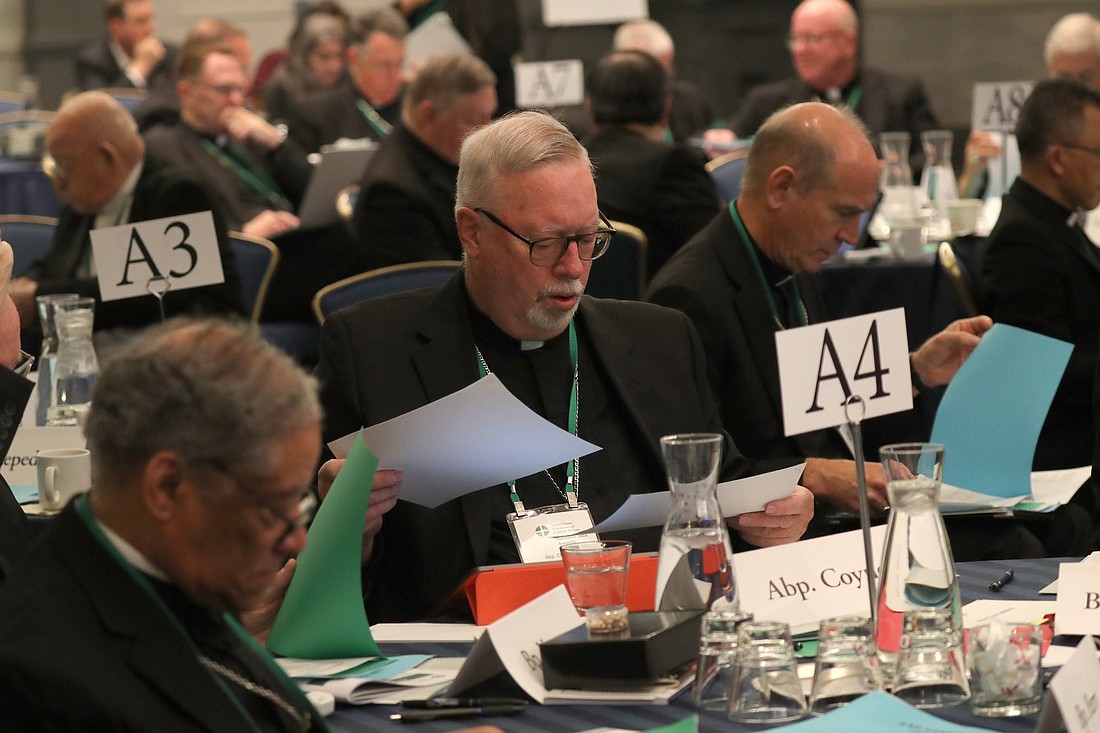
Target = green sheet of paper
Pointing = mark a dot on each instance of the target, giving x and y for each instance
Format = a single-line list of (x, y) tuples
[(322, 616), (690, 724)]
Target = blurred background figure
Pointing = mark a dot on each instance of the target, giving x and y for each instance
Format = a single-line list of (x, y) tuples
[(1073, 49), (316, 61), (130, 55), (274, 59)]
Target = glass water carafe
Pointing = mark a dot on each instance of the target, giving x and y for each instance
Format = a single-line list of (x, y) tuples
[(899, 195), (918, 570), (47, 358), (695, 564), (937, 182), (77, 366)]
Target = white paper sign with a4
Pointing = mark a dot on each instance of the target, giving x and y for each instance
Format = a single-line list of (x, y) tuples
[(821, 365), (179, 250)]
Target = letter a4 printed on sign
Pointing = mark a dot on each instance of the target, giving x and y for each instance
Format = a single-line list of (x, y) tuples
[(181, 251), (822, 365)]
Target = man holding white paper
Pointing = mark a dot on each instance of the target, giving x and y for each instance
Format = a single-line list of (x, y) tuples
[(749, 274), (530, 227)]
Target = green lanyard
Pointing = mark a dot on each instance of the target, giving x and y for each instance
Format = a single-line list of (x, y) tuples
[(572, 480), (84, 511), (267, 188), (803, 317), (370, 114)]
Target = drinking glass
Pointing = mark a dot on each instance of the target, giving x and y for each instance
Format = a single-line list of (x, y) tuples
[(595, 576), (717, 651), (931, 669), (847, 663), (765, 687), (1005, 670)]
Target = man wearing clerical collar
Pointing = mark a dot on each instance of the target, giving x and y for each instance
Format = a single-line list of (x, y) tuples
[(528, 221), (204, 440)]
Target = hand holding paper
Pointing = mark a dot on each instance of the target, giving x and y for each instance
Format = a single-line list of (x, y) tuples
[(383, 497), (941, 356)]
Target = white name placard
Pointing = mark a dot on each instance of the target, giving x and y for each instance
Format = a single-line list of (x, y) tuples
[(20, 467), (587, 12), (996, 105), (807, 581), (1076, 689), (821, 365), (183, 250), (550, 83), (1078, 604)]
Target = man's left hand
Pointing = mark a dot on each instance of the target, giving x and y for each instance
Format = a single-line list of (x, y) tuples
[(782, 521), (243, 126), (939, 358), (260, 618)]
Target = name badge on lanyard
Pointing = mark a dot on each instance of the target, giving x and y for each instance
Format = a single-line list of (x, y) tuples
[(539, 533)]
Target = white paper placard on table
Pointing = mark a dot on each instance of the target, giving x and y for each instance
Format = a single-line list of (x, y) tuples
[(822, 364), (550, 83), (586, 12), (807, 581), (1078, 606), (181, 249), (1076, 690), (20, 466), (995, 106)]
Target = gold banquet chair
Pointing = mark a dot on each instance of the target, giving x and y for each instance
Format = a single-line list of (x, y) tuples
[(726, 171), (621, 272), (960, 279), (382, 281), (256, 260), (31, 238)]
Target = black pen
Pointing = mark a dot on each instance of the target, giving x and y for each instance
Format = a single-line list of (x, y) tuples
[(1000, 582), (434, 703), (417, 716)]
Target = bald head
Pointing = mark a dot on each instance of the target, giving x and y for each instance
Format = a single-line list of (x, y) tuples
[(95, 144), (838, 13), (809, 176)]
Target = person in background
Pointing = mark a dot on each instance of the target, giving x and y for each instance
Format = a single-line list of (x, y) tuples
[(131, 55), (316, 61), (690, 112), (660, 187)]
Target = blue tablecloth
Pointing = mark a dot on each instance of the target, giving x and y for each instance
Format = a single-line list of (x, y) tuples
[(1031, 575), (25, 189)]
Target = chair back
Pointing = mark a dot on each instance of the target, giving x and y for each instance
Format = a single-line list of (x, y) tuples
[(12, 102), (383, 281), (128, 97), (726, 171), (256, 260), (31, 238), (960, 279), (621, 272), (23, 133)]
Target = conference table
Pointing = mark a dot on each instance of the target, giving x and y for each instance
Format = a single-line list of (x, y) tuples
[(974, 577)]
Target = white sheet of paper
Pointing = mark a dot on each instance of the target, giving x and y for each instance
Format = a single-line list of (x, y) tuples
[(477, 437), (1053, 586), (1076, 688), (20, 465), (870, 355), (954, 498), (435, 36), (550, 83), (985, 610), (995, 106), (735, 497), (807, 581), (586, 12), (181, 249), (1058, 486), (419, 632), (1078, 604)]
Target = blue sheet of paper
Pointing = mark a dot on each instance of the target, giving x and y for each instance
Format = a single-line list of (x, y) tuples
[(992, 412), (25, 494), (876, 712)]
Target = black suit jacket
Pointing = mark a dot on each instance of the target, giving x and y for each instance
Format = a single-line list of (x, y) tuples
[(663, 189), (887, 102), (1042, 275), (321, 117), (96, 68), (159, 192), (14, 532), (712, 280), (385, 357), (76, 623), (178, 146), (405, 210)]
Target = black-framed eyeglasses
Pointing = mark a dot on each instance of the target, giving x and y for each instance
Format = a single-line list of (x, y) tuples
[(547, 251), (305, 508), (1075, 146)]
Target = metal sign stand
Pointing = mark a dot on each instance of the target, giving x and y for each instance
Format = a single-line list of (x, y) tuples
[(854, 424)]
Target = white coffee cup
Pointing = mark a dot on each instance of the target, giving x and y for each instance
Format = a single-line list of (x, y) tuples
[(62, 474), (963, 215)]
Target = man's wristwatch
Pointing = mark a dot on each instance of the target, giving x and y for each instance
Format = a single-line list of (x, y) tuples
[(283, 131)]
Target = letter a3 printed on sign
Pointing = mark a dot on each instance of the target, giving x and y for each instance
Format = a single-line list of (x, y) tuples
[(823, 365)]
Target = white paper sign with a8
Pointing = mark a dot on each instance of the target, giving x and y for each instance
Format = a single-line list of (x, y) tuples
[(183, 250)]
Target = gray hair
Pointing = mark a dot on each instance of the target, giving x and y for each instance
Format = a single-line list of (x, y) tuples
[(643, 35), (445, 78), (377, 20), (315, 30), (212, 391), (784, 139), (1073, 33), (512, 144)]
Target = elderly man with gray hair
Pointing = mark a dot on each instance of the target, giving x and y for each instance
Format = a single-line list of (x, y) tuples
[(204, 441), (1072, 49)]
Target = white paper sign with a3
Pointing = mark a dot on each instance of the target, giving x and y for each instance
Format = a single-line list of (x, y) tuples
[(821, 365), (183, 250)]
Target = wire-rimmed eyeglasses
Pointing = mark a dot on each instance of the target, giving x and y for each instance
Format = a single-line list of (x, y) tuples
[(305, 508), (547, 251)]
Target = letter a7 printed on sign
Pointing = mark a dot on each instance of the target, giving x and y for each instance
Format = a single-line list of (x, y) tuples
[(822, 366)]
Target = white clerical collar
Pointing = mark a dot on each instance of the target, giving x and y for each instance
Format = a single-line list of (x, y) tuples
[(120, 56), (834, 95), (531, 345), (117, 210), (131, 554)]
